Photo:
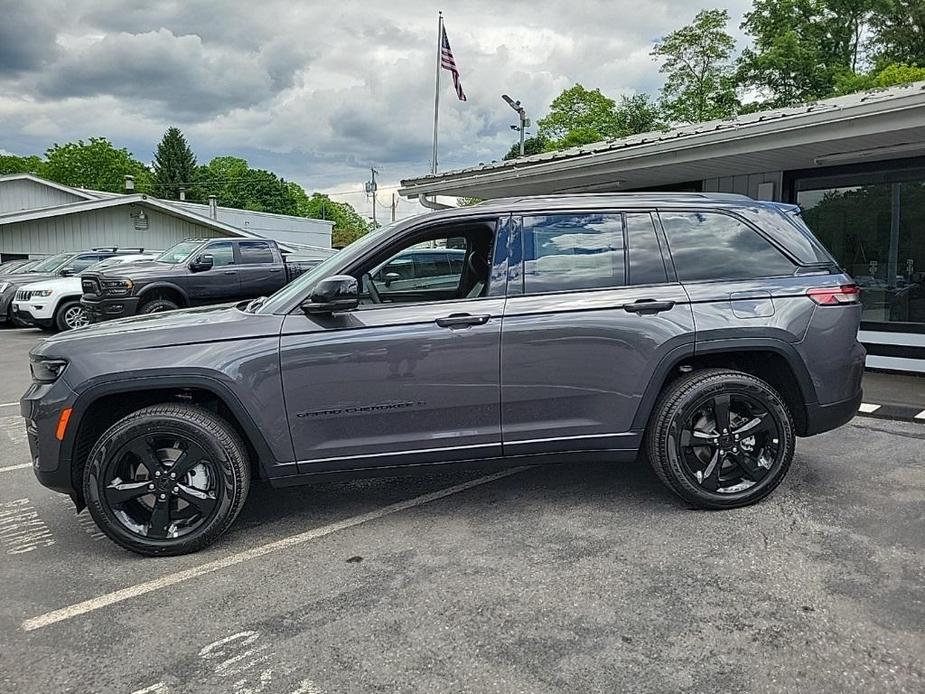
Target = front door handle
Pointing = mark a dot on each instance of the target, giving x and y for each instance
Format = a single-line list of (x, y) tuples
[(230, 272), (648, 306), (462, 320)]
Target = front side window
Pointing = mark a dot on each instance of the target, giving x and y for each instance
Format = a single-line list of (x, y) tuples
[(572, 252), (222, 253), (255, 252), (715, 246)]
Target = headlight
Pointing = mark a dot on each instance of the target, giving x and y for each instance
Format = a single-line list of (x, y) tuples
[(118, 287), (41, 292), (4, 286), (46, 370)]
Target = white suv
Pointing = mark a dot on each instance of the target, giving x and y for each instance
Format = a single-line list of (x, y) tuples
[(54, 304)]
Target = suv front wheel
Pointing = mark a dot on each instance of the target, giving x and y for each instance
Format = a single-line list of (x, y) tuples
[(167, 479), (720, 438)]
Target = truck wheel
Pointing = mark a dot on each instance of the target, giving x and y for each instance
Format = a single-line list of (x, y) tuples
[(720, 438), (70, 315), (158, 305), (167, 479)]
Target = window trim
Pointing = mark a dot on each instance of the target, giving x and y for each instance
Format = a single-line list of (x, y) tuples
[(712, 210)]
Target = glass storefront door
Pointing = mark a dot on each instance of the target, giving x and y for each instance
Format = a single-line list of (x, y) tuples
[(874, 225)]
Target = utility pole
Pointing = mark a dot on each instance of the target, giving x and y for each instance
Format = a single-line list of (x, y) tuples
[(394, 205), (524, 121), (371, 190)]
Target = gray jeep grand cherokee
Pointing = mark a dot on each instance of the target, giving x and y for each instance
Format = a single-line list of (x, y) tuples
[(707, 331)]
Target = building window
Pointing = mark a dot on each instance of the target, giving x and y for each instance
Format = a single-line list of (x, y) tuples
[(874, 225)]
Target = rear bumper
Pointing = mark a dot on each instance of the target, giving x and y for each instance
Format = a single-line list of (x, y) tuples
[(110, 309), (820, 418)]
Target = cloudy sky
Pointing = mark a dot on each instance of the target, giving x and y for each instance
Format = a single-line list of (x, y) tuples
[(315, 91)]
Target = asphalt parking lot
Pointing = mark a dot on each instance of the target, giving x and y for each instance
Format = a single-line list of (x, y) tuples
[(558, 579)]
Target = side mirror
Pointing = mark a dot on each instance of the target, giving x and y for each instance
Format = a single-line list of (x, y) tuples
[(67, 272), (203, 263), (391, 277), (332, 294)]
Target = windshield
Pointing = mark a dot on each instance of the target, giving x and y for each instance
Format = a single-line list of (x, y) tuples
[(179, 253), (53, 263), (303, 284)]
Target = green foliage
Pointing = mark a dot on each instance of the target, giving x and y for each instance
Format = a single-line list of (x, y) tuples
[(697, 63), (583, 109), (468, 202), (532, 145), (348, 224), (898, 32), (94, 164), (800, 48), (638, 114), (235, 184), (174, 166), (11, 164), (890, 75)]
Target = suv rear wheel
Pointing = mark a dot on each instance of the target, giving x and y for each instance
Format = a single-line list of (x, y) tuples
[(167, 479), (720, 439)]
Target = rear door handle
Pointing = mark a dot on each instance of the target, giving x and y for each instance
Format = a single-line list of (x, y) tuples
[(648, 306), (462, 320), (230, 272)]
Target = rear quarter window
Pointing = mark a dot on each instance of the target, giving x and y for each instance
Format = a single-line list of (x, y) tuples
[(715, 246)]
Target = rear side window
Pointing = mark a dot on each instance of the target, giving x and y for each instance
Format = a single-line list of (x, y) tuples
[(713, 246), (646, 265), (573, 251), (254, 252)]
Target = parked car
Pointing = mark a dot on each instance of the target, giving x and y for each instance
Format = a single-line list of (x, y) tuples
[(11, 266), (707, 331), (60, 265), (195, 272), (55, 304)]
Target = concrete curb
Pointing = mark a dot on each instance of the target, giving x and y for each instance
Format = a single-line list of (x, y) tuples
[(902, 413)]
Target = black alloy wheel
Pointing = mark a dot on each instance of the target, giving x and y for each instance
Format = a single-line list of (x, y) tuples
[(167, 479), (720, 438)]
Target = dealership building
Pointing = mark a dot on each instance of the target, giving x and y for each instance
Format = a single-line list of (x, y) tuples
[(855, 164)]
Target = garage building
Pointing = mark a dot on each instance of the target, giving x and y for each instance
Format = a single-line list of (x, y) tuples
[(855, 164), (40, 217)]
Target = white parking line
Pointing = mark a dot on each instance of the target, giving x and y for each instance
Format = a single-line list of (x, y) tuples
[(10, 404), (23, 466), (868, 408), (172, 579)]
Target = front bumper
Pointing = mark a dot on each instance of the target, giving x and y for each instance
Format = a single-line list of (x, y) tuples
[(100, 310), (41, 406), (6, 300), (22, 312)]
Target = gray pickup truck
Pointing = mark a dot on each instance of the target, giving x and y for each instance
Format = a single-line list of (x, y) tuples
[(195, 272)]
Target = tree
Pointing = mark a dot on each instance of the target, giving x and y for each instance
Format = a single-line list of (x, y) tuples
[(174, 165), (235, 184), (800, 48), (578, 108), (95, 164), (11, 164), (898, 29), (348, 224), (532, 145), (697, 63), (638, 114), (890, 75)]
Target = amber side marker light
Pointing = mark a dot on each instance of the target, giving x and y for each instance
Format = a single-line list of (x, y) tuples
[(62, 423)]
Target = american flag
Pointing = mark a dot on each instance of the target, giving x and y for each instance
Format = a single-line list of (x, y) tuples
[(448, 63)]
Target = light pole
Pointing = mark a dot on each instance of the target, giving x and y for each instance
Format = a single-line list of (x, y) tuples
[(524, 121), (371, 188)]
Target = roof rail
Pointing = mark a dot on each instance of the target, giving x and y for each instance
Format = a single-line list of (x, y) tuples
[(116, 249)]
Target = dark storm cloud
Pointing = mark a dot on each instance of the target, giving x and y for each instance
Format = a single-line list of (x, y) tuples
[(27, 36)]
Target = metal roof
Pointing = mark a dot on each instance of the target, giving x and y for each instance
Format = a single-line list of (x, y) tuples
[(841, 109)]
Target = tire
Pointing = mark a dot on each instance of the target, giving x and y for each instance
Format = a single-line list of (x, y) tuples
[(154, 513), (66, 316), (753, 461), (157, 306)]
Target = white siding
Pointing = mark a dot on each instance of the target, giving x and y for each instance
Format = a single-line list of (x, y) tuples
[(279, 227), (23, 194), (98, 228)]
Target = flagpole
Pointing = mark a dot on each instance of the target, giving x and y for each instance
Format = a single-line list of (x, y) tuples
[(433, 161)]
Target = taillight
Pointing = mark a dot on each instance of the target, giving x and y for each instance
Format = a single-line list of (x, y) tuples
[(835, 296)]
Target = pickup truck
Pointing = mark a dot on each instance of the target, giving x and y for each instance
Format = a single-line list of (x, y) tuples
[(195, 272)]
